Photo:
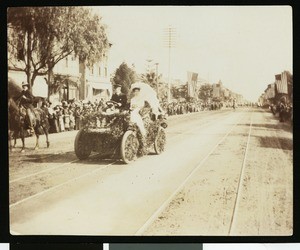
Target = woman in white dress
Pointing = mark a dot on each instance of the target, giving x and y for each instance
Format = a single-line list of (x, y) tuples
[(137, 102)]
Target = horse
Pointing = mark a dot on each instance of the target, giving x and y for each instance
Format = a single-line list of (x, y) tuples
[(285, 113), (15, 124), (18, 124), (274, 109)]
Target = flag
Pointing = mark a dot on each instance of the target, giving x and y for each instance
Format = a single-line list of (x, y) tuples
[(192, 84), (194, 77), (267, 93), (189, 80), (216, 90), (281, 83), (272, 90), (226, 93)]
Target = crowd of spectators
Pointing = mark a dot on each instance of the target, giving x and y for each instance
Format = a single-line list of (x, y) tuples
[(66, 116), (178, 108)]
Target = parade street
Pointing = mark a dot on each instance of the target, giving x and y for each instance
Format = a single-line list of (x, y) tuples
[(223, 172)]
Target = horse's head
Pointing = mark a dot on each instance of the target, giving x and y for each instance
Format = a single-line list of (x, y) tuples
[(16, 113), (12, 106)]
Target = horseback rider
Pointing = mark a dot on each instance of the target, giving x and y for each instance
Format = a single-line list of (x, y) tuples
[(234, 103), (282, 108), (26, 100)]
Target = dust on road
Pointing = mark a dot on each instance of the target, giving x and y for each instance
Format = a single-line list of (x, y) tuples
[(205, 205)]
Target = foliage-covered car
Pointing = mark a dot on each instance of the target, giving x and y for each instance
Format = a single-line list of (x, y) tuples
[(114, 136)]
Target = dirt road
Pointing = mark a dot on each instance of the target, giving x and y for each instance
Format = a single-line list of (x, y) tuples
[(223, 172), (209, 203)]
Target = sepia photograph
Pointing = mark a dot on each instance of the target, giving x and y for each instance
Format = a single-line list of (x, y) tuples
[(150, 121)]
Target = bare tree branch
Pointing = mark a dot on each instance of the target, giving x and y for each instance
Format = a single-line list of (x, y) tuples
[(16, 67)]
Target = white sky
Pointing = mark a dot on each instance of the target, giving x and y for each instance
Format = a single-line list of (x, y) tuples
[(243, 46)]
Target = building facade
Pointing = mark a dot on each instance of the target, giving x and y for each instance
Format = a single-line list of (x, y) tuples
[(66, 80), (95, 80), (72, 79), (282, 87)]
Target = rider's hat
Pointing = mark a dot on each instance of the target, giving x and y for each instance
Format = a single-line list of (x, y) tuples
[(24, 84), (136, 88)]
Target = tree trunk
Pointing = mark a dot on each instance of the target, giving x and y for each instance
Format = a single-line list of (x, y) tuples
[(82, 70), (50, 80), (28, 66), (33, 76)]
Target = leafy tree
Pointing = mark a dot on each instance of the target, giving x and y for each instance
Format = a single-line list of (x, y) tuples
[(162, 91), (39, 37), (179, 92), (205, 92), (124, 76), (151, 78)]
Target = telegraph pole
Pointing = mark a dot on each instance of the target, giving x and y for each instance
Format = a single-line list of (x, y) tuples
[(149, 65), (156, 64), (169, 42)]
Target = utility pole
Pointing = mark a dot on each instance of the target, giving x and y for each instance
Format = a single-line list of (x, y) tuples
[(169, 42), (149, 65), (156, 64), (208, 77)]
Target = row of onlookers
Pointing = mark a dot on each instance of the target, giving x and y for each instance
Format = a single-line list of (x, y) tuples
[(66, 116)]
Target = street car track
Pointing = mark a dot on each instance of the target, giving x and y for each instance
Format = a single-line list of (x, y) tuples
[(238, 191), (42, 171), (211, 120), (59, 185), (163, 206)]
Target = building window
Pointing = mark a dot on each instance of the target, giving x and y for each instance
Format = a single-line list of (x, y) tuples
[(92, 70), (99, 73), (105, 71)]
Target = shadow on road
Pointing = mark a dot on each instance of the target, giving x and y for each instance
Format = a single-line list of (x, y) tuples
[(275, 142), (68, 157), (284, 126), (53, 158)]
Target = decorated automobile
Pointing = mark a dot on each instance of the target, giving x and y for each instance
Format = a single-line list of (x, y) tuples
[(113, 134)]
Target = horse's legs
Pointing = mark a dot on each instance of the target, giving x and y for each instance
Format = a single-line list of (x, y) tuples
[(281, 116), (37, 141), (15, 138), (47, 137), (9, 140), (22, 135)]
